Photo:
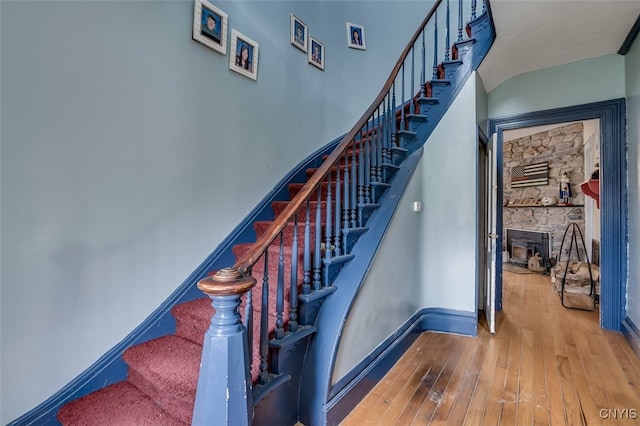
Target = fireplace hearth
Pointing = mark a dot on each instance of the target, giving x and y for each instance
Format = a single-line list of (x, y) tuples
[(523, 245)]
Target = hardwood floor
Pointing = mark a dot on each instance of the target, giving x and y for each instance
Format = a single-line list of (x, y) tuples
[(546, 365)]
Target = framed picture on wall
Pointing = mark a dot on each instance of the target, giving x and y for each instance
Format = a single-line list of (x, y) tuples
[(299, 31), (315, 56), (355, 36), (210, 26), (243, 55)]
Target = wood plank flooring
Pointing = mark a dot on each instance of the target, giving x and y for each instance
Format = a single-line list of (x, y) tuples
[(546, 365)]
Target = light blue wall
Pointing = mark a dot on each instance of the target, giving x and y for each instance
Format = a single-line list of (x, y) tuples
[(448, 231), (632, 67), (482, 104), (129, 151), (576, 83), (387, 297)]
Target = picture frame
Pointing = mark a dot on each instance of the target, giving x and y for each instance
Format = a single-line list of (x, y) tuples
[(316, 54), (299, 33), (210, 26), (355, 36), (243, 55)]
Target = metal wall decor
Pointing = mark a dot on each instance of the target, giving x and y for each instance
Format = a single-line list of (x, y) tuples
[(530, 175)]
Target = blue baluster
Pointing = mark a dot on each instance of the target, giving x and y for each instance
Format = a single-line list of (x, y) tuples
[(361, 173), (390, 128), (394, 133), (279, 334), (306, 260), (293, 299), (248, 324), (412, 109), (317, 264), (373, 165), (484, 6), (338, 215), (446, 35), (362, 167), (473, 9), (367, 170), (423, 76), (459, 20), (385, 132), (371, 159), (347, 203), (435, 47), (380, 145), (402, 125), (328, 226), (354, 181), (264, 322)]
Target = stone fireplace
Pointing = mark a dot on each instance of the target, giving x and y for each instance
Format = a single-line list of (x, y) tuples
[(562, 149)]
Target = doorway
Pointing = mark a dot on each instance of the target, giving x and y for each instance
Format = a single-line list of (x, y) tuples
[(613, 206)]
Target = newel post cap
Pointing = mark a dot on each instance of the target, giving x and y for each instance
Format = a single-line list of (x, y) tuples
[(227, 282)]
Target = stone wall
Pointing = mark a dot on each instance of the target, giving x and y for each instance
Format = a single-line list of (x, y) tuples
[(562, 148)]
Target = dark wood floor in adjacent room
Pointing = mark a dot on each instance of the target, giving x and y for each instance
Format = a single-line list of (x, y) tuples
[(546, 365)]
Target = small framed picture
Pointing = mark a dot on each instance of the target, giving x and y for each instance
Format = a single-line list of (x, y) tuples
[(355, 36), (243, 56), (210, 26), (316, 53), (298, 33)]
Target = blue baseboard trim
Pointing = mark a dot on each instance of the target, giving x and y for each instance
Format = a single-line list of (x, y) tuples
[(449, 321), (359, 382), (632, 334), (110, 368)]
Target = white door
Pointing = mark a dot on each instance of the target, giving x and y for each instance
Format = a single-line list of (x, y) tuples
[(492, 193)]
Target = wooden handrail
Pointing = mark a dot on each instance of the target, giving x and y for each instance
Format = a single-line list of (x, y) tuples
[(246, 262)]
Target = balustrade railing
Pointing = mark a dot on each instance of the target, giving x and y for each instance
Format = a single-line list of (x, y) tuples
[(314, 234)]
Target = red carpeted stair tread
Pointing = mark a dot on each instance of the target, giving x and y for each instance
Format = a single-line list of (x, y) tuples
[(262, 226), (193, 319), (309, 172), (167, 370), (116, 405), (274, 250), (354, 149), (279, 206), (294, 188)]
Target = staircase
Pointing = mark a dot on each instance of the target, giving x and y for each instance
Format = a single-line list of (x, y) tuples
[(315, 240)]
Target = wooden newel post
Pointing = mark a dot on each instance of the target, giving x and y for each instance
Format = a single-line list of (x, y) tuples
[(224, 395)]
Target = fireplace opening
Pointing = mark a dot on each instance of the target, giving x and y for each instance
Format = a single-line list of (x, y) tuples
[(523, 245)]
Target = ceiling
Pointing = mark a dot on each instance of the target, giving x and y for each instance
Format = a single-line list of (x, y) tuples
[(537, 34)]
